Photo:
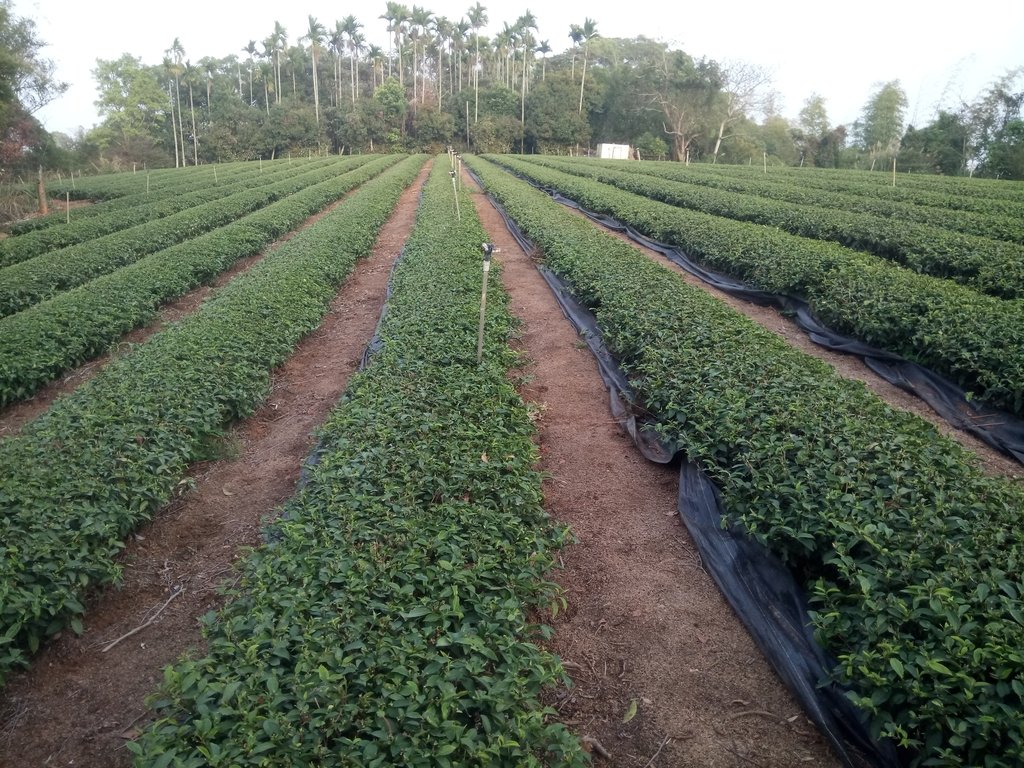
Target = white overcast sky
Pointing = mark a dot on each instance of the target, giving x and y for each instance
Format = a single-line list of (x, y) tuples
[(940, 52)]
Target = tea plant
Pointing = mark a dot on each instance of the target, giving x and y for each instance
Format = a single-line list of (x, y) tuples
[(40, 343), (105, 458), (945, 192), (125, 212), (48, 274), (976, 341), (990, 266), (386, 622), (911, 556), (921, 207)]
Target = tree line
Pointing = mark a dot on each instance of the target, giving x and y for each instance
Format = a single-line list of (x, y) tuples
[(441, 81)]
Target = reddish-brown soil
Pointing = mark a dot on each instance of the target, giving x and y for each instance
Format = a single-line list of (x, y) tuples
[(849, 367), (645, 623), (645, 627), (78, 704), (16, 415)]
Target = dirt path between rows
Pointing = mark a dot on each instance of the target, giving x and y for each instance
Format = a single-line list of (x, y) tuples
[(991, 461), (16, 415), (645, 623), (78, 705)]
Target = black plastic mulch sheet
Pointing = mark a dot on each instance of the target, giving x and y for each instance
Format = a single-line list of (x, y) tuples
[(762, 591), (996, 428), (623, 405), (757, 585)]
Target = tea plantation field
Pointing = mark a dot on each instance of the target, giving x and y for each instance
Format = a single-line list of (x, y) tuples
[(393, 613)]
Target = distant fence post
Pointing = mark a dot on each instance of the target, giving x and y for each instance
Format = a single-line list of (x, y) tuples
[(44, 208)]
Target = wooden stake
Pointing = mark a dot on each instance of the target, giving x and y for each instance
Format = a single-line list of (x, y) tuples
[(766, 162), (455, 191), (488, 250), (44, 207), (894, 171), (67, 207)]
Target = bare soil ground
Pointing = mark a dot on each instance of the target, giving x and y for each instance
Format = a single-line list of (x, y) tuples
[(645, 629), (645, 623), (78, 705), (16, 415), (849, 367)]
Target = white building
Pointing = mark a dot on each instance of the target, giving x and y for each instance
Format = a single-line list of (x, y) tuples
[(613, 151)]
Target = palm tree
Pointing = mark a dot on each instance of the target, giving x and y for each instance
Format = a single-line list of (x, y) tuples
[(209, 66), (296, 56), (395, 15), (589, 31), (177, 52), (169, 69), (278, 42), (265, 72), (524, 24), (576, 34), (477, 18), (419, 20), (336, 44), (356, 43), (270, 56), (350, 27), (251, 50), (444, 29), (528, 43), (389, 17), (191, 73), (461, 30), (375, 55), (543, 49), (505, 47), (401, 20), (315, 35)]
